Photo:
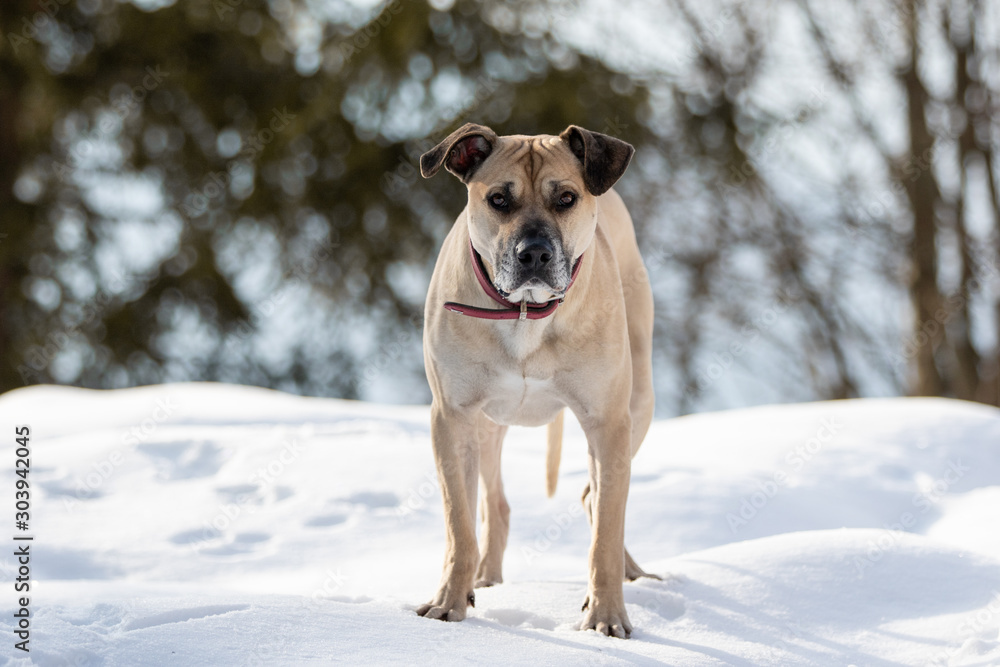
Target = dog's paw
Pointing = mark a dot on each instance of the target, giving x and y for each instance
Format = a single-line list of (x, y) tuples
[(444, 610), (431, 610), (608, 619)]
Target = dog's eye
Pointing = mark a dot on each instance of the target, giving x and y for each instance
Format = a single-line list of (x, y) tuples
[(498, 201), (567, 199)]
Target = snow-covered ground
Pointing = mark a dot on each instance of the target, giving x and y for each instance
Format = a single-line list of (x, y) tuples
[(201, 524)]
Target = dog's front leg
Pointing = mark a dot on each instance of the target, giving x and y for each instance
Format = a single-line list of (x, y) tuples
[(456, 452), (610, 467)]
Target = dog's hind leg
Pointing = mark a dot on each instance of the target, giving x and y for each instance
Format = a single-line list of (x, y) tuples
[(632, 569), (494, 510)]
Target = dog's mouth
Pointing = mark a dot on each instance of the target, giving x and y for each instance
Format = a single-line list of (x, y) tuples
[(533, 290), (540, 286)]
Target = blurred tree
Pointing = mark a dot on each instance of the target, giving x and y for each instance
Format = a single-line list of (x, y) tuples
[(227, 189), (943, 178), (820, 179)]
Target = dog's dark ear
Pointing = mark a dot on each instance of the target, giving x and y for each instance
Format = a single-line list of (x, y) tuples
[(604, 158), (461, 152)]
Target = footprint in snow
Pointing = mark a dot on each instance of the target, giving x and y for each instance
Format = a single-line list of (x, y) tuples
[(237, 491), (363, 501), (373, 499), (242, 544), (196, 536), (184, 459), (325, 520)]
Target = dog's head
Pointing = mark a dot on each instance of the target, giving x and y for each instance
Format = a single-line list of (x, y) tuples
[(532, 200)]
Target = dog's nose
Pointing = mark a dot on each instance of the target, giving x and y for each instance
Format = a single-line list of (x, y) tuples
[(533, 252)]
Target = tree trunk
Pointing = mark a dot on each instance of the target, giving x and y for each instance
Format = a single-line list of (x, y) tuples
[(922, 193)]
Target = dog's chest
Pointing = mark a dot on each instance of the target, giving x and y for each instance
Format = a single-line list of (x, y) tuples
[(515, 398), (520, 339)]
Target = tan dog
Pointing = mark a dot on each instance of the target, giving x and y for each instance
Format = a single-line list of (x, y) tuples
[(541, 218)]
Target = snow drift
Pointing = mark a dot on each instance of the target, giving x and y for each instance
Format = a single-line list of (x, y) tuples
[(220, 525)]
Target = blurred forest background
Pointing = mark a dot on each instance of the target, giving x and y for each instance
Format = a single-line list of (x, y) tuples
[(227, 189)]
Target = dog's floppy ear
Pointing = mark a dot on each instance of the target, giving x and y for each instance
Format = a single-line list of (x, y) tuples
[(461, 152), (604, 158)]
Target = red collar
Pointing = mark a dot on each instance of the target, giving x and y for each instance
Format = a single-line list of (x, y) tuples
[(510, 311)]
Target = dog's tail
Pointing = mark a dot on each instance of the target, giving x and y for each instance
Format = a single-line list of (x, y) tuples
[(554, 453)]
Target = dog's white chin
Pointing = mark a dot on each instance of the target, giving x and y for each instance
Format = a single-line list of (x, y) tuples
[(532, 294)]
